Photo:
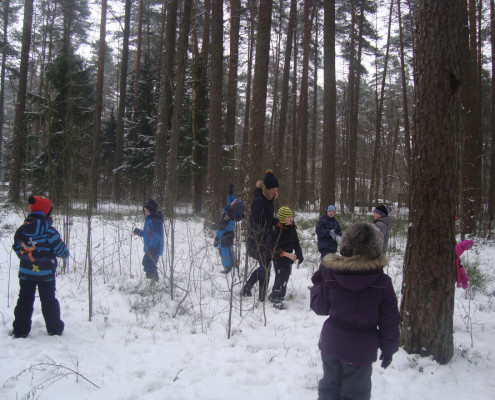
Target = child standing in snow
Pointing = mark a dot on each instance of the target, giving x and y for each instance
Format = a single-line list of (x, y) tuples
[(37, 244), (224, 238), (152, 233), (328, 232), (462, 278), (286, 241), (363, 314)]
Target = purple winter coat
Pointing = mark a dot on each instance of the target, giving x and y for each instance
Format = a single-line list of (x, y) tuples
[(362, 307)]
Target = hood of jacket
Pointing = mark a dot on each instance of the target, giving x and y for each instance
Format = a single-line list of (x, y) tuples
[(35, 224), (356, 272)]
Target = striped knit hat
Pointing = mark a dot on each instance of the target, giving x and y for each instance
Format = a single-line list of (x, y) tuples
[(283, 213)]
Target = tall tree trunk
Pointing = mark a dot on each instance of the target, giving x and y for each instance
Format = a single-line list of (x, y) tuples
[(178, 99), (375, 166), (164, 105), (302, 122), (95, 162), (314, 125), (247, 110), (137, 77), (353, 125), (328, 176), (20, 105), (284, 99), (2, 72), (119, 139), (230, 124), (429, 267), (199, 112), (291, 156), (213, 180), (472, 144), (491, 199), (260, 82), (407, 130)]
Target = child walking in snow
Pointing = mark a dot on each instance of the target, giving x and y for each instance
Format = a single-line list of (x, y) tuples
[(328, 232), (224, 238), (363, 315), (286, 241), (152, 233), (37, 244)]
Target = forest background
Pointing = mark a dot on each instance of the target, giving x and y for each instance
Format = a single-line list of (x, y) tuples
[(180, 98)]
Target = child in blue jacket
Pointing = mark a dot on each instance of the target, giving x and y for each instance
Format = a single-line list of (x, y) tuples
[(153, 236), (37, 244), (224, 238)]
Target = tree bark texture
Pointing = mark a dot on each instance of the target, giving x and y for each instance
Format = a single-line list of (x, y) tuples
[(328, 175), (20, 105), (429, 267)]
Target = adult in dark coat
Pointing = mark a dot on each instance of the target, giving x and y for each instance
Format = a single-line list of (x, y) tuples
[(260, 233), (363, 314)]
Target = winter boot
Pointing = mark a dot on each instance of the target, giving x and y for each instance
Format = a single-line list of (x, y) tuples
[(246, 290)]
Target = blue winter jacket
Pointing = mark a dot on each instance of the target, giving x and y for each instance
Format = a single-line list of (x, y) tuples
[(323, 227), (226, 226), (152, 233), (38, 244)]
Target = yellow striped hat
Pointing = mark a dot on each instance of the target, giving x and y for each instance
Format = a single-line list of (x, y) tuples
[(283, 213)]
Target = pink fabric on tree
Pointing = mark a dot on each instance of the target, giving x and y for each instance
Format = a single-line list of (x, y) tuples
[(462, 278)]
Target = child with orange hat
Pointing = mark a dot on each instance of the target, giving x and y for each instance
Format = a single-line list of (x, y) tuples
[(38, 244)]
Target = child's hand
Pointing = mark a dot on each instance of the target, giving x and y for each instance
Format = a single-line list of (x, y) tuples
[(137, 231), (292, 256), (216, 242)]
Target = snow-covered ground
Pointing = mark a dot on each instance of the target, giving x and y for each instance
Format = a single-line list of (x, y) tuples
[(141, 344)]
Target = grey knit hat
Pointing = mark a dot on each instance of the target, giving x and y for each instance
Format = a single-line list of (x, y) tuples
[(362, 239)]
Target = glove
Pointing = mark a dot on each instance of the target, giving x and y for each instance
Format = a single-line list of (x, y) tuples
[(332, 234), (301, 260), (137, 231), (317, 277), (386, 360), (216, 242), (464, 278)]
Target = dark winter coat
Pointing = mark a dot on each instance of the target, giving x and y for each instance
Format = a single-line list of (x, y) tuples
[(261, 222), (383, 224), (324, 225), (152, 234), (286, 241), (38, 244), (362, 307)]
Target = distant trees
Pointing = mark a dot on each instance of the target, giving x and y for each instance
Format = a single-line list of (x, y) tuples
[(260, 105)]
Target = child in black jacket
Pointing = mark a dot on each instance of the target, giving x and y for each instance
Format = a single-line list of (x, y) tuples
[(286, 241)]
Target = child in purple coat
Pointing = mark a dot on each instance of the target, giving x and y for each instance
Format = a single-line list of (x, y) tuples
[(363, 314)]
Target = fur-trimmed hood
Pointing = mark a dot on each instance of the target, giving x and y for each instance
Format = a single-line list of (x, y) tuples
[(354, 273), (357, 264), (265, 191)]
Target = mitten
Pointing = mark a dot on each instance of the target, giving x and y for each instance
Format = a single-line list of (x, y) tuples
[(317, 278), (216, 242), (332, 234), (386, 360), (137, 231), (301, 260), (464, 278)]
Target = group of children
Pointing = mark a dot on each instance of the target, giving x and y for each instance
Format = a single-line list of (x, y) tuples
[(351, 288)]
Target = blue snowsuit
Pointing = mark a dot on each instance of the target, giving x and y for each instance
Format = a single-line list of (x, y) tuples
[(38, 244), (225, 235), (153, 236)]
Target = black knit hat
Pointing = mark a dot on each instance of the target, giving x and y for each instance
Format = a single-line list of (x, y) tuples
[(382, 210), (270, 181), (361, 238), (151, 206)]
